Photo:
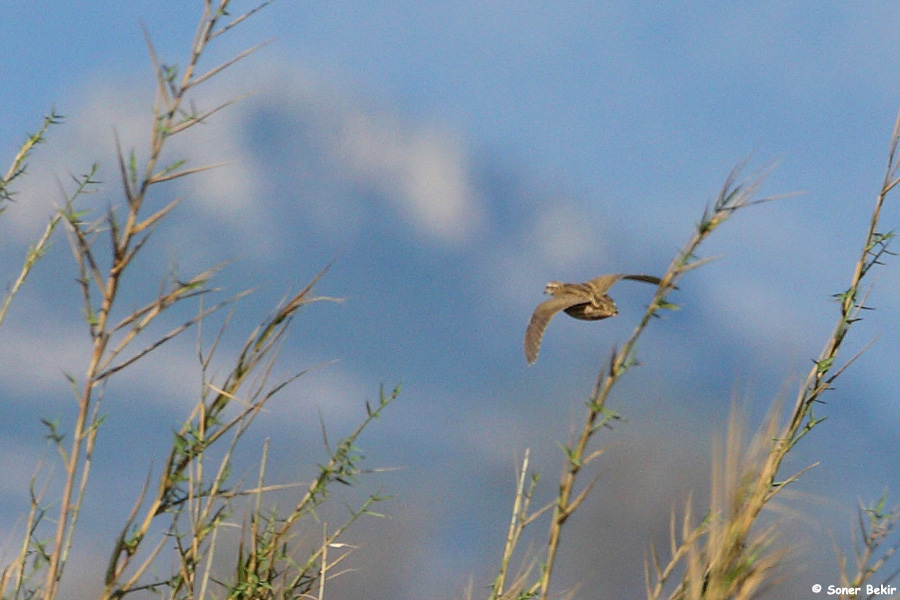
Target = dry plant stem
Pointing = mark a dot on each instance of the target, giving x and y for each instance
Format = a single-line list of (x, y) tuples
[(677, 551), (817, 381), (127, 239), (206, 504), (822, 374), (732, 197), (34, 254), (519, 520), (731, 563), (200, 431), (17, 168), (873, 529), (267, 564), (514, 528), (16, 569)]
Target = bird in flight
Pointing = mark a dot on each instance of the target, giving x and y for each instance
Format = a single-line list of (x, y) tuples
[(586, 301)]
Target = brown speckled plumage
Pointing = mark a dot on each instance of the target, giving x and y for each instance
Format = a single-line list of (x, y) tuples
[(587, 301)]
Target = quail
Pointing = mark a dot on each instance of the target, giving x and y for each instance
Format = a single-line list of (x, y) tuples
[(586, 301)]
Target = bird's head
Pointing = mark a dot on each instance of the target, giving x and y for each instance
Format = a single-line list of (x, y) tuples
[(553, 287)]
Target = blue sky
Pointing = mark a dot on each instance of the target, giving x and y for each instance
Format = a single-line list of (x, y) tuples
[(453, 158)]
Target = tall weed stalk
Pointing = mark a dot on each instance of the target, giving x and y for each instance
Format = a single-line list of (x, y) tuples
[(724, 556), (193, 497)]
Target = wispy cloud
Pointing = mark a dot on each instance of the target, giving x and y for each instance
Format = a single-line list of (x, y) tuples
[(340, 154)]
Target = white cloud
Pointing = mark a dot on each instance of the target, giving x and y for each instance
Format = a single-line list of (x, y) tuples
[(421, 170), (232, 194), (46, 350), (336, 147)]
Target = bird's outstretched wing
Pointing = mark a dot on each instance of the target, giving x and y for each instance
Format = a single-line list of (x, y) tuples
[(604, 282), (541, 317)]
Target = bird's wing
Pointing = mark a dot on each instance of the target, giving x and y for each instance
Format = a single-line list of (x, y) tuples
[(541, 317), (604, 282), (644, 278)]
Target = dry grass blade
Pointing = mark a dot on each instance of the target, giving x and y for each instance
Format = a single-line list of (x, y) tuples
[(161, 177), (237, 20), (157, 216), (162, 339), (215, 70), (286, 311), (33, 255), (890, 175), (690, 537), (124, 176), (197, 498), (162, 91), (120, 546), (191, 120), (733, 196), (518, 522)]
